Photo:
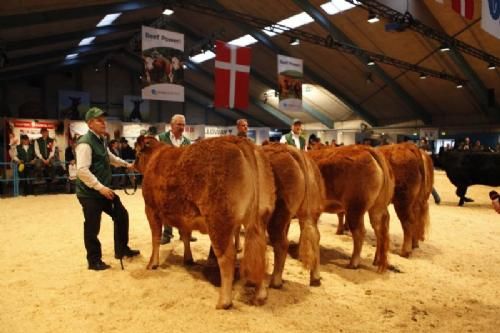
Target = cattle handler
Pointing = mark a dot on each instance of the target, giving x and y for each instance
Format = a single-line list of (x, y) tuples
[(93, 160)]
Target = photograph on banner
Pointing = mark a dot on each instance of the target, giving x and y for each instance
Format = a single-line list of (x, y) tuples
[(135, 109), (290, 76), (73, 104), (163, 56)]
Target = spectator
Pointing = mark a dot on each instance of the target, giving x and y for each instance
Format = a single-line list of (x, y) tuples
[(242, 127), (294, 138), (24, 156)]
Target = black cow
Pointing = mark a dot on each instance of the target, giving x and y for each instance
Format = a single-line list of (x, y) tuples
[(470, 168)]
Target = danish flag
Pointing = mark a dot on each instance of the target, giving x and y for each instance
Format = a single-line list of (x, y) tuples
[(232, 75), (464, 8)]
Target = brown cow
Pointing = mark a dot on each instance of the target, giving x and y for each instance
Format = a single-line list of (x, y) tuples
[(414, 174), (299, 192), (213, 186), (357, 180)]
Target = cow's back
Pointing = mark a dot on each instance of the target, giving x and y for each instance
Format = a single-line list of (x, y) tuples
[(471, 168)]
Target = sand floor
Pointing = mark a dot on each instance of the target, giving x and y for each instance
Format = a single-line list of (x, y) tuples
[(450, 284)]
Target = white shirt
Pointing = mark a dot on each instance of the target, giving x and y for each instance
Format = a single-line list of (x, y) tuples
[(176, 142), (51, 153), (295, 138), (84, 160)]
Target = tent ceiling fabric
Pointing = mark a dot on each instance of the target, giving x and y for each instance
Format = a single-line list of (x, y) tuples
[(51, 28)]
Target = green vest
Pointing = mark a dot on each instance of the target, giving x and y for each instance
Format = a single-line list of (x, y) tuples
[(25, 156), (291, 141), (165, 137), (100, 166), (44, 146)]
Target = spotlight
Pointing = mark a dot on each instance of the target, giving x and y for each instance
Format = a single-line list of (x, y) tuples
[(491, 66), (372, 18), (423, 76), (370, 63), (459, 86), (168, 12), (294, 41), (444, 48)]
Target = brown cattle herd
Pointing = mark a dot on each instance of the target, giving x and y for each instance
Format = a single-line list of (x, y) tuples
[(220, 185)]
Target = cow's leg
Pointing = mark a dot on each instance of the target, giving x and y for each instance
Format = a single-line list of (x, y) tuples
[(461, 191), (357, 226), (155, 226), (309, 248), (186, 239), (379, 220), (405, 214), (278, 231), (226, 267), (237, 243), (341, 226)]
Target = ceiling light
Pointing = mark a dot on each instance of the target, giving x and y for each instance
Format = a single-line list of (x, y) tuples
[(370, 63), (444, 48), (86, 41), (373, 18), (459, 86), (199, 58), (168, 11), (71, 56), (108, 19), (423, 76), (491, 66), (243, 41), (332, 8), (294, 41)]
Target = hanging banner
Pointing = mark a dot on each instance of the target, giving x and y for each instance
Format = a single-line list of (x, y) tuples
[(232, 75), (135, 109), (73, 104), (490, 17), (290, 74), (163, 56)]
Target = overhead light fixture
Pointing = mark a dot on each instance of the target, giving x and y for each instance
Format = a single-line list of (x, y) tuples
[(491, 66), (86, 41), (294, 41), (372, 18), (444, 48), (423, 76), (168, 11), (71, 56), (370, 63), (108, 19), (460, 86)]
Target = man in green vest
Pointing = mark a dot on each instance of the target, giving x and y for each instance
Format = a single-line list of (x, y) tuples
[(242, 127), (24, 156), (294, 138), (93, 162), (44, 151), (175, 138)]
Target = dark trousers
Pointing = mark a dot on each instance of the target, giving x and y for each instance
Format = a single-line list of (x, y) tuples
[(92, 210)]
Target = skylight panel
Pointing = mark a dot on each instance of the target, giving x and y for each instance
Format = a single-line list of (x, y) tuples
[(199, 58), (336, 6), (86, 41), (243, 41), (108, 19), (71, 56)]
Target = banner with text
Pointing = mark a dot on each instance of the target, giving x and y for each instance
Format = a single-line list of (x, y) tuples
[(163, 56), (290, 74)]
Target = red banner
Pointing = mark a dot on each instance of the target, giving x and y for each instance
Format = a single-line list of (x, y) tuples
[(464, 8), (232, 75)]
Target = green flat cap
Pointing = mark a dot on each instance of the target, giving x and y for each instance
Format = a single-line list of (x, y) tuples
[(93, 113)]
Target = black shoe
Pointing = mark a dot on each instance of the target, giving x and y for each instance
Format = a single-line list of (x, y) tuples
[(99, 266), (128, 253), (468, 199)]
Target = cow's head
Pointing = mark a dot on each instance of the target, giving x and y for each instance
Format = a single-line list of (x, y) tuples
[(143, 148)]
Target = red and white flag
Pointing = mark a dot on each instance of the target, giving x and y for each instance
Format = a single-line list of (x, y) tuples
[(232, 75), (464, 8)]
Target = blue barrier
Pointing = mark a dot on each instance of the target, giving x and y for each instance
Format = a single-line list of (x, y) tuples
[(16, 180)]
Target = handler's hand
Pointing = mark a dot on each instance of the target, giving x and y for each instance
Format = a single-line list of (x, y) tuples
[(107, 193)]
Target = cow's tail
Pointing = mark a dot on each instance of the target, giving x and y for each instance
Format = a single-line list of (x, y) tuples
[(387, 191), (311, 209), (427, 171), (253, 263)]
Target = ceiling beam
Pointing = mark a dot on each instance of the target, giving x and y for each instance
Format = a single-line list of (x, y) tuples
[(32, 18), (337, 34), (60, 54), (266, 41), (28, 44)]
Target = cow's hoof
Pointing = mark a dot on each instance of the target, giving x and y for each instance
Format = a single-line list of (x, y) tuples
[(468, 199), (461, 202), (189, 262), (405, 254), (276, 285), (315, 282), (351, 266), (258, 301), (152, 267), (224, 306)]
